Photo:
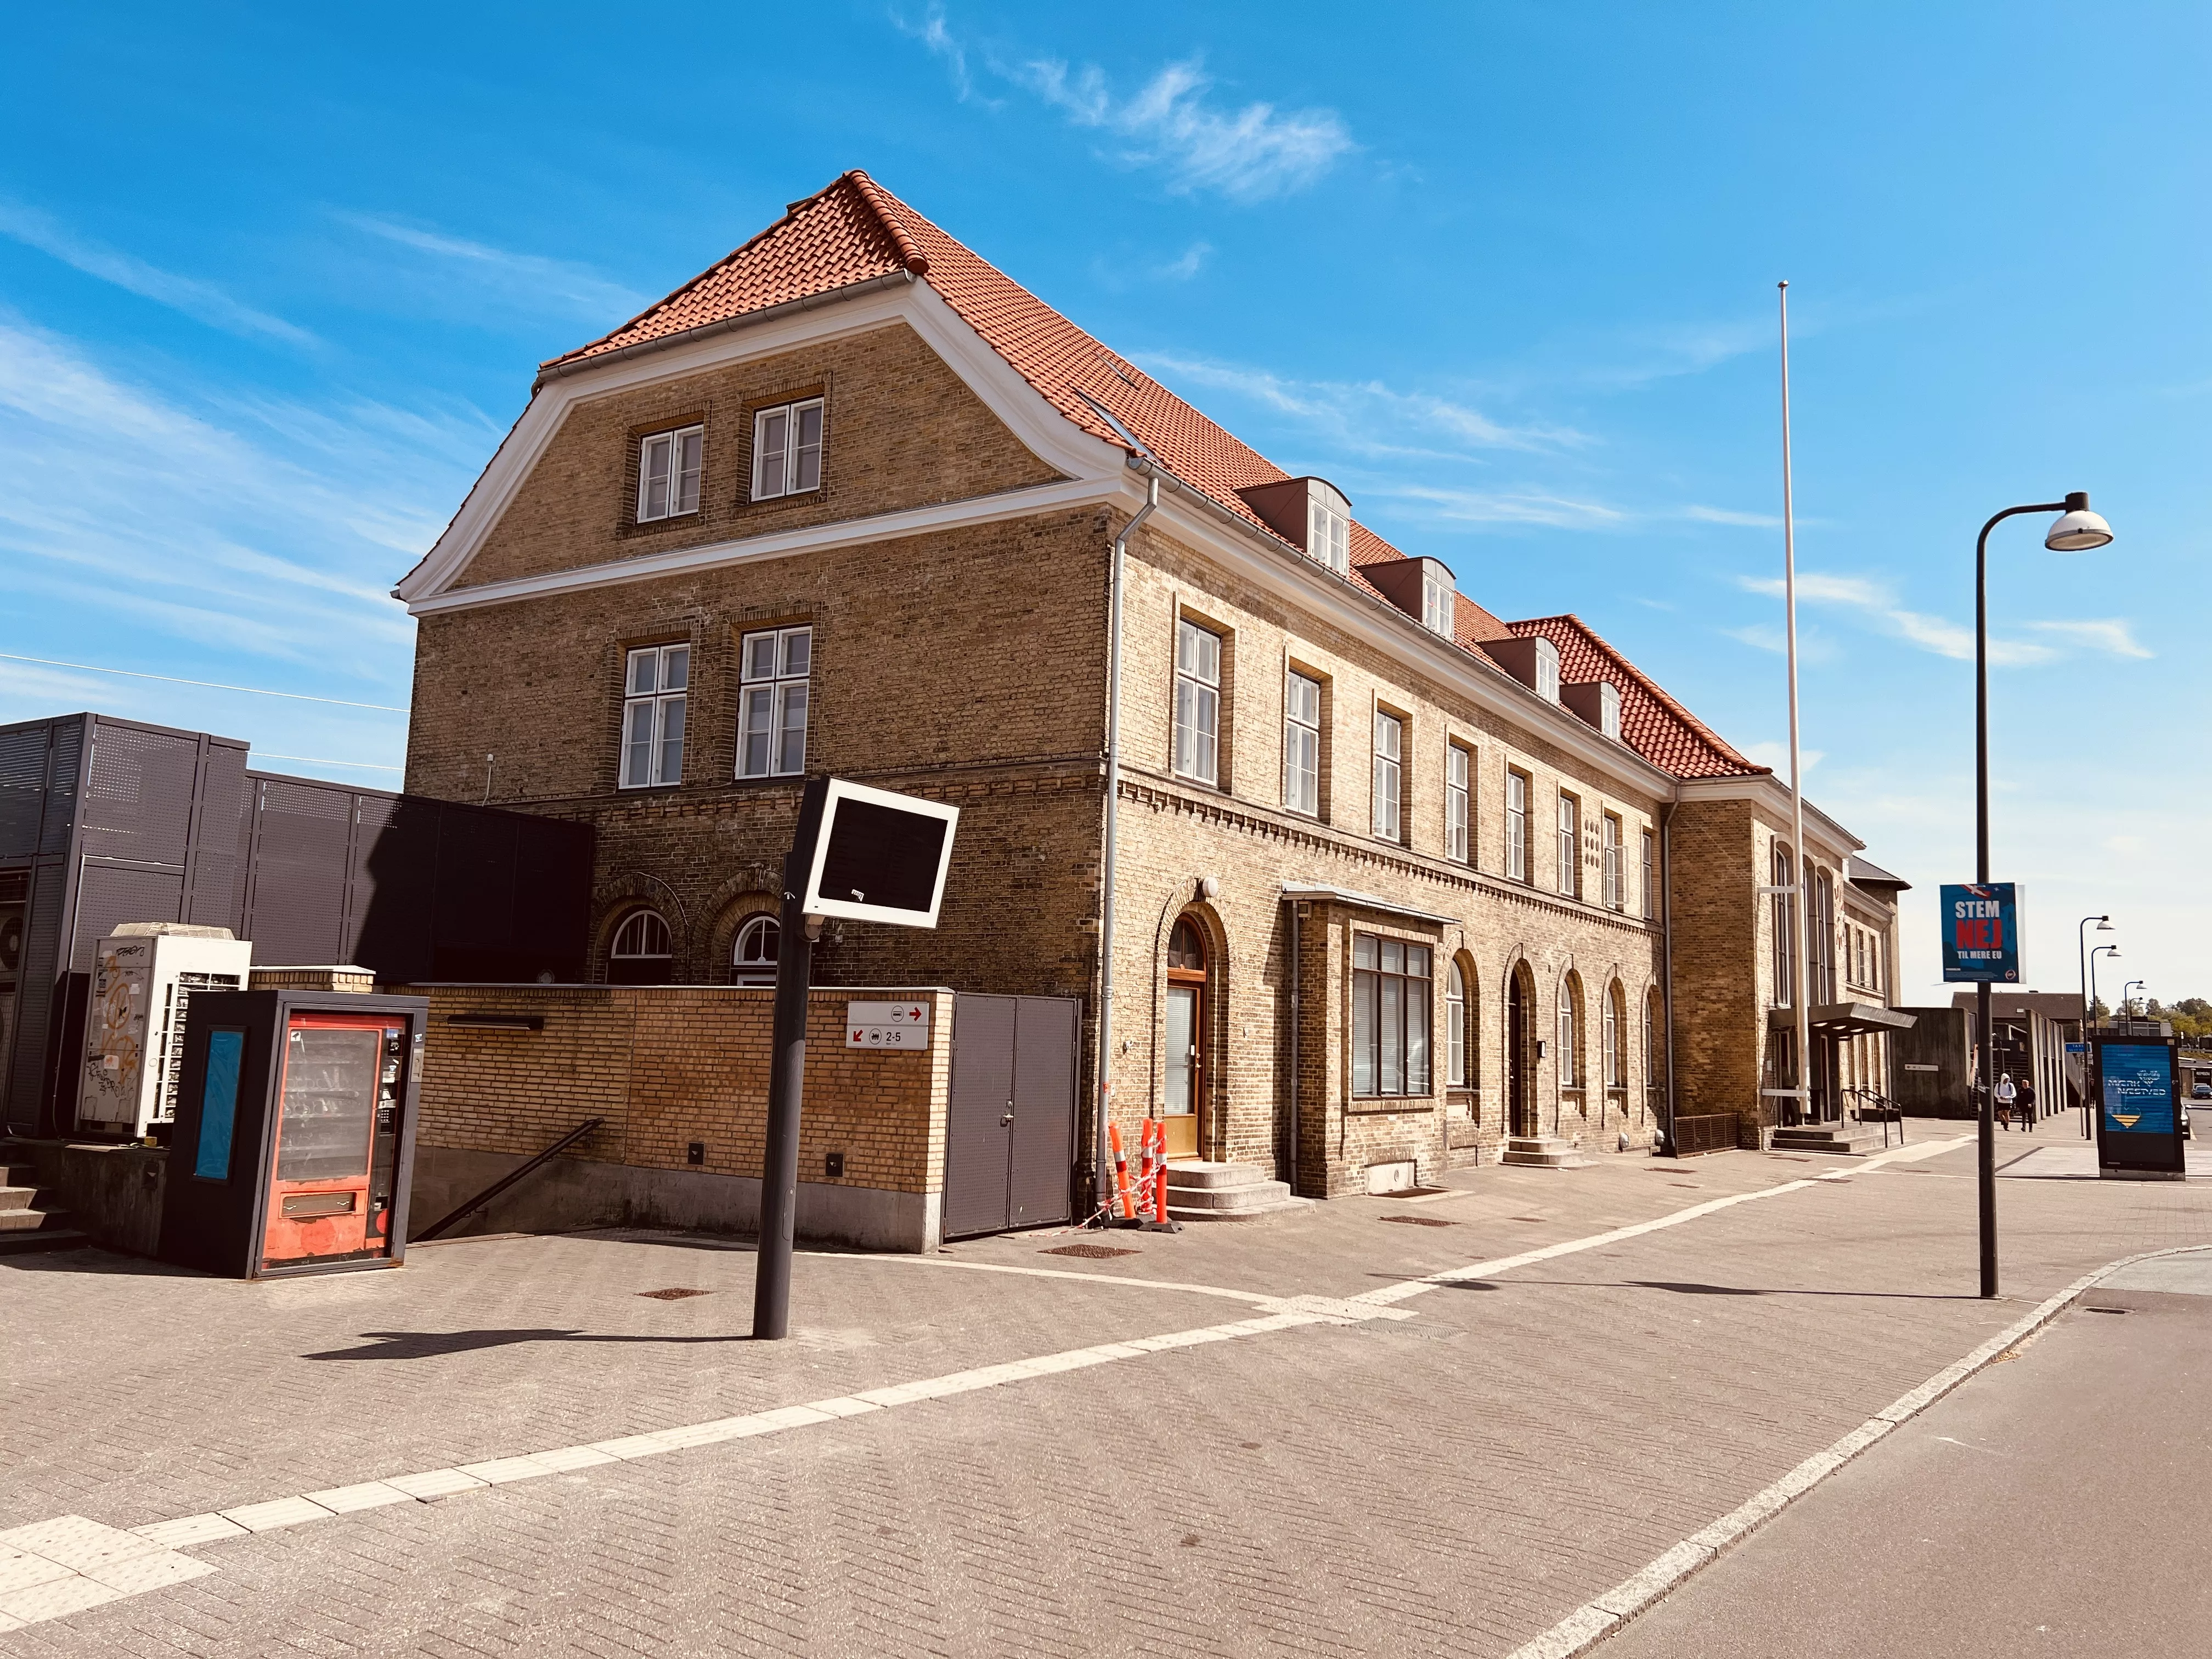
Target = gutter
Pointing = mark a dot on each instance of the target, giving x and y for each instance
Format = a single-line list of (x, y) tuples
[(561, 367), (1102, 1174), (1667, 948)]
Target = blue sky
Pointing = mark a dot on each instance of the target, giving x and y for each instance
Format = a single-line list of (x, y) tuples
[(273, 281)]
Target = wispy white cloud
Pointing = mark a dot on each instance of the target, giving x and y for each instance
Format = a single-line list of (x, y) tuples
[(1729, 515), (1777, 754), (1938, 635), (1192, 261), (2108, 634), (1249, 155), (1507, 506), (529, 280), (202, 301)]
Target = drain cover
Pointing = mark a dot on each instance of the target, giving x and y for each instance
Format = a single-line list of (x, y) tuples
[(1090, 1252), (675, 1294), (1422, 1220)]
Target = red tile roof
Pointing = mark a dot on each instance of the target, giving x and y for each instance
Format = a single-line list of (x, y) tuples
[(855, 231), (1651, 723)]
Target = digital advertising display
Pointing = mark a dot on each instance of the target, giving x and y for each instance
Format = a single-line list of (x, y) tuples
[(2138, 1110)]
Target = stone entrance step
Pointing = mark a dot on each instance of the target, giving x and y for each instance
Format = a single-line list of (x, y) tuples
[(1538, 1152), (1199, 1190), (25, 1224), (1849, 1139)]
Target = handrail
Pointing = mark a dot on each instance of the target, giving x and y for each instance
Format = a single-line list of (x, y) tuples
[(506, 1181)]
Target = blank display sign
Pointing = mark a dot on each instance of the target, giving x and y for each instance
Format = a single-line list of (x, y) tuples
[(880, 856)]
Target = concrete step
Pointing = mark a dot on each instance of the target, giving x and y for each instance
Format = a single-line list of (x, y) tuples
[(15, 1198), (1539, 1153), (31, 1221), (45, 1238), (1826, 1138), (1199, 1190)]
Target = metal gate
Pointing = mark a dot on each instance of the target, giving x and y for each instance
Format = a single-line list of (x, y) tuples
[(1010, 1143)]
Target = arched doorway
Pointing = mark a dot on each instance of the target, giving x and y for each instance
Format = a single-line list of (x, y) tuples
[(1521, 1053), (1182, 1097)]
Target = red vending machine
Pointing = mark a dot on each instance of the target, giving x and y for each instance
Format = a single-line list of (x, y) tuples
[(295, 1136)]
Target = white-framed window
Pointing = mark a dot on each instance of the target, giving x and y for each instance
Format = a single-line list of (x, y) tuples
[(1570, 1076), (787, 449), (641, 953), (773, 667), (1547, 669), (1389, 1016), (1650, 876), (1571, 844), (1456, 1026), (1389, 763), (1302, 743), (1459, 803), (668, 465), (1616, 1057), (1440, 601), (1197, 701), (1785, 951), (655, 679), (1616, 893), (1328, 536), (753, 953), (1608, 710), (1517, 843)]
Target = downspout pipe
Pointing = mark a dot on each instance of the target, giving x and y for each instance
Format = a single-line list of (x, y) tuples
[(1667, 950), (1103, 1173)]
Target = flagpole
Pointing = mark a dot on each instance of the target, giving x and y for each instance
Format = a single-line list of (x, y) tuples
[(1800, 994)]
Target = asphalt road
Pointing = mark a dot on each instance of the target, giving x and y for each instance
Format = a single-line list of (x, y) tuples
[(2056, 1504)]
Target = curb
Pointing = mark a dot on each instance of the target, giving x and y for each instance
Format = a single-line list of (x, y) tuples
[(1601, 1615)]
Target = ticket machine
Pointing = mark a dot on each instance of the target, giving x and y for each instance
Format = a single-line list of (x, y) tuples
[(294, 1135)]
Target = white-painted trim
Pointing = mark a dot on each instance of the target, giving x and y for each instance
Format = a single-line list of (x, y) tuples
[(844, 532), (1055, 439)]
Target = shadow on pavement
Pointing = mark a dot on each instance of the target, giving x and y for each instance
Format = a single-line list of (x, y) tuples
[(433, 1345)]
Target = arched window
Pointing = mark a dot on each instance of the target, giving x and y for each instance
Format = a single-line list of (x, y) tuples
[(640, 954), (1570, 1024), (1455, 1028), (1654, 1061), (1616, 1038), (1187, 946), (753, 957)]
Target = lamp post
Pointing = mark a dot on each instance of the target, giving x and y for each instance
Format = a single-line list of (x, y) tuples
[(2100, 951), (2076, 531), (2125, 999), (2081, 961)]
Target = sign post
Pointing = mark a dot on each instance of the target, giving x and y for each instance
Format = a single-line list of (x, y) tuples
[(859, 855), (2137, 1084), (1981, 947)]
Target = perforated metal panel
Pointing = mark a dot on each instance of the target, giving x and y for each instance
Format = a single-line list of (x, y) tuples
[(1044, 1150), (109, 894), (295, 907), (22, 789), (139, 795), (979, 1129)]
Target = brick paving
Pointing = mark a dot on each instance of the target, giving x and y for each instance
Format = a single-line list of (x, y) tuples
[(1456, 1481)]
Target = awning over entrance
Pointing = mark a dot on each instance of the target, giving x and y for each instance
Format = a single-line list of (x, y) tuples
[(1345, 895), (1842, 1019)]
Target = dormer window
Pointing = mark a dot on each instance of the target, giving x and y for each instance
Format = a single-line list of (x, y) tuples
[(1310, 513), (1608, 710), (1547, 669), (1328, 535), (1439, 598)]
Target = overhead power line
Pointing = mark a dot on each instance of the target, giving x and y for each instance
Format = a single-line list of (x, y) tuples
[(212, 685), (315, 760)]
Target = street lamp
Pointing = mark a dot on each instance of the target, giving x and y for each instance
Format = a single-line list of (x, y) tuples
[(2125, 999), (2077, 529), (2081, 961), (2100, 951)]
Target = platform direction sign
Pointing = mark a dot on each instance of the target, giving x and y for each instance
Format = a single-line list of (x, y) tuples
[(887, 1025)]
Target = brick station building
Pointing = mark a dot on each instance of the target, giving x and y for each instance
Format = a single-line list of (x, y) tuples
[(1392, 880)]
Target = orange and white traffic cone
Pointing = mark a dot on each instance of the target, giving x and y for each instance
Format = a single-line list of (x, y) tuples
[(1160, 1178), (1120, 1171)]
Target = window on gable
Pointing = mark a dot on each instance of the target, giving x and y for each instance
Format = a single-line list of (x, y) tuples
[(1389, 750), (1302, 743), (1609, 710), (787, 449), (657, 678), (1459, 800), (1197, 702), (1440, 601), (1328, 536), (774, 666), (668, 473), (1547, 669)]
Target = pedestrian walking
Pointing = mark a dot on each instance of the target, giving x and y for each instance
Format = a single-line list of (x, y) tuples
[(2006, 1095), (2026, 1105)]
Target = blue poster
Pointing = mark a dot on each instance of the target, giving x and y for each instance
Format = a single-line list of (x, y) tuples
[(2138, 1088), (1980, 931)]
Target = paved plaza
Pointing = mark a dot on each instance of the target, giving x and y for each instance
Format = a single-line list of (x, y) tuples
[(1371, 1426)]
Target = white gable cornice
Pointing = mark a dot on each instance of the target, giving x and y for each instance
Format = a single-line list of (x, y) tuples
[(1050, 435)]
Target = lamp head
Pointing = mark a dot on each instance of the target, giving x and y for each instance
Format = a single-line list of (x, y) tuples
[(2104, 924), (2078, 529)]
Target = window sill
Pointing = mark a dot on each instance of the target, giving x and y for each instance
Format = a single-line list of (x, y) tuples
[(771, 778), (647, 788), (672, 521), (1389, 1105)]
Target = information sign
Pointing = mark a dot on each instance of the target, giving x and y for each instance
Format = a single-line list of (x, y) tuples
[(887, 1025), (1981, 933)]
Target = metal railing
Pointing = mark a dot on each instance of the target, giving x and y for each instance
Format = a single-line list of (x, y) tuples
[(506, 1181)]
